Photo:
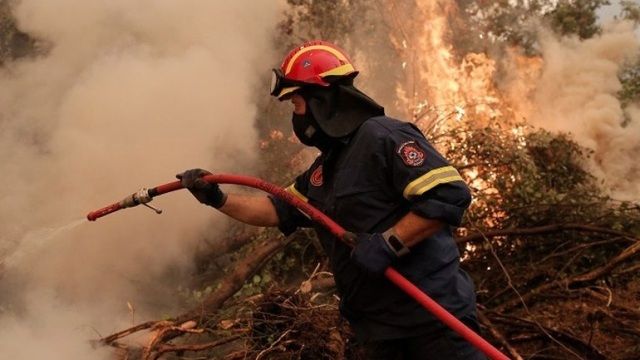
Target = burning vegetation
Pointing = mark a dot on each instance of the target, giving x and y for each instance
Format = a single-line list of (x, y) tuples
[(535, 104)]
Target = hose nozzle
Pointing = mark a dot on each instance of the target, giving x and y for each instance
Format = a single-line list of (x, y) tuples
[(143, 196)]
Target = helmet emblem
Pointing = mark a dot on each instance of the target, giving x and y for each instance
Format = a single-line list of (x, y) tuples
[(306, 64)]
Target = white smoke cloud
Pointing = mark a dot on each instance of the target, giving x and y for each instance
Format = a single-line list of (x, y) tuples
[(50, 331), (577, 93), (128, 94)]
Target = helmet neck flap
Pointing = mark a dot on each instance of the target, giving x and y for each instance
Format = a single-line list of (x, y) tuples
[(340, 108)]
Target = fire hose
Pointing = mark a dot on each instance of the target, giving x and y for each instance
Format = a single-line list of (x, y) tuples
[(144, 196)]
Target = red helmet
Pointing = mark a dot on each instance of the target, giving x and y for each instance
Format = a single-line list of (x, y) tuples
[(312, 63)]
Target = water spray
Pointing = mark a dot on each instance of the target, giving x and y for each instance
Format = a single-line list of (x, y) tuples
[(144, 196)]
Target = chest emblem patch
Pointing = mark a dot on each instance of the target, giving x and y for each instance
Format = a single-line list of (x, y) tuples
[(316, 177), (411, 154)]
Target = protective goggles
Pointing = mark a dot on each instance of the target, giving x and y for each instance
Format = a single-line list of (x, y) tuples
[(281, 86)]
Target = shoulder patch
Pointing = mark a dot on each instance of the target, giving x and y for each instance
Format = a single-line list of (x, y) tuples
[(411, 154), (316, 177)]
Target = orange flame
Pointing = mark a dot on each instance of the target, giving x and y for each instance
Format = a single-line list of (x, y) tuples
[(446, 87)]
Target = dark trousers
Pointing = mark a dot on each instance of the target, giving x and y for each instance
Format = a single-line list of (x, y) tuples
[(442, 344)]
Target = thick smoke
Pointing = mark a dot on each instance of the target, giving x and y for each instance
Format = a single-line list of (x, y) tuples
[(127, 94), (577, 93)]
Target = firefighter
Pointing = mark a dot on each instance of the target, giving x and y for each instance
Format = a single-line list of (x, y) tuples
[(380, 179)]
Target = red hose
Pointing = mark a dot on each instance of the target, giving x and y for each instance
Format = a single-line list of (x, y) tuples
[(395, 277)]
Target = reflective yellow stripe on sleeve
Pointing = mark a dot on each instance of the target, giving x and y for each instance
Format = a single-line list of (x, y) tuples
[(292, 189), (430, 180)]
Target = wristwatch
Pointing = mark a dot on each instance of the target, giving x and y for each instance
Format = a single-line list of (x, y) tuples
[(395, 244)]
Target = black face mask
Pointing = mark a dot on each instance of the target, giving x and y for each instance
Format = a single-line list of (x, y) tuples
[(309, 133)]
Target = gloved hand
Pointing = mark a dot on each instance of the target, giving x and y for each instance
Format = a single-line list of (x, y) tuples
[(372, 253), (207, 193)]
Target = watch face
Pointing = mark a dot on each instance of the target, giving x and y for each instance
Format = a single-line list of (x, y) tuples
[(395, 243), (397, 246)]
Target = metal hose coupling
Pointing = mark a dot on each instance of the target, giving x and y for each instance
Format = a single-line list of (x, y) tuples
[(143, 196)]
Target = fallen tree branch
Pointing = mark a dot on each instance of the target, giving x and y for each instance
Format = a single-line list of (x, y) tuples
[(576, 279), (604, 270), (227, 287), (623, 326), (522, 301), (235, 280), (322, 284), (498, 336), (316, 283), (589, 351), (230, 284), (163, 328), (208, 260), (632, 268), (610, 303), (272, 346), (120, 334), (167, 348), (541, 230), (576, 248)]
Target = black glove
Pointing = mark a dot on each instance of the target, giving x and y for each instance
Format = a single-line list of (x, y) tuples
[(372, 253), (207, 193)]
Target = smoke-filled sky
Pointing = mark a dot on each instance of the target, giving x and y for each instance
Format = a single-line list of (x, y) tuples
[(128, 94), (577, 93), (611, 12)]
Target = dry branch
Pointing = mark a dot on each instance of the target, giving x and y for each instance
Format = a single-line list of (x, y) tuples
[(610, 303), (605, 270), (228, 286), (323, 284), (541, 230), (235, 280), (498, 336), (585, 349), (167, 348), (120, 334), (214, 250), (576, 279), (293, 325)]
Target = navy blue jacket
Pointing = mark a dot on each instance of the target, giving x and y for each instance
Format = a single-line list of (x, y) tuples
[(385, 170)]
